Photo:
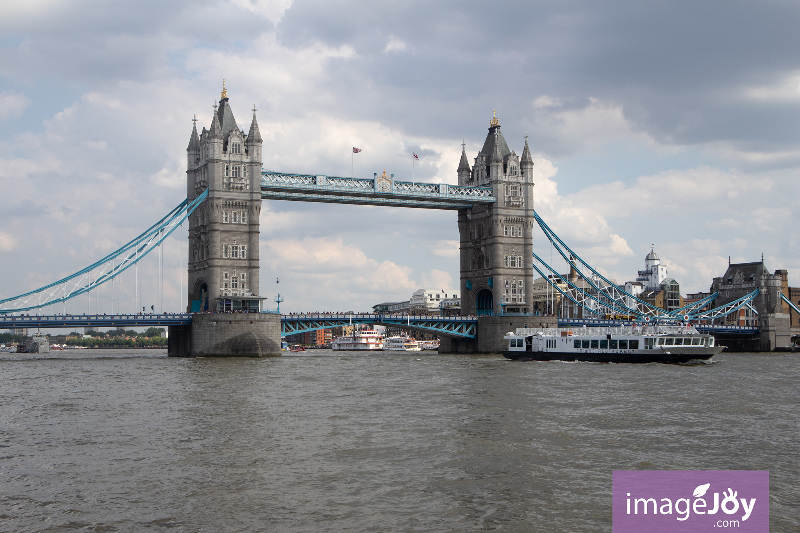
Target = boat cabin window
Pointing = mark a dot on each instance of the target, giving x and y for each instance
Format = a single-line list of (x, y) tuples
[(669, 341), (594, 343), (648, 343), (585, 344), (678, 341), (710, 341), (576, 344), (623, 344), (696, 341), (613, 344), (633, 344), (604, 344)]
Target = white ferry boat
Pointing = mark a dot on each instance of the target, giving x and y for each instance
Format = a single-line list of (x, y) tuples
[(364, 339), (429, 345), (401, 343), (633, 344)]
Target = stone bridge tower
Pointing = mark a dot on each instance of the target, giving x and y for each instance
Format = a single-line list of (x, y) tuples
[(497, 239), (223, 231)]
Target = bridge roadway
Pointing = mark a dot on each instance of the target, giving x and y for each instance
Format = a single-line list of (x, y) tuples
[(456, 326)]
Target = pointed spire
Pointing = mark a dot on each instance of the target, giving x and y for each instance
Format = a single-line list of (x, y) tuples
[(194, 139), (526, 154), (463, 165), (255, 135), (497, 156), (216, 130)]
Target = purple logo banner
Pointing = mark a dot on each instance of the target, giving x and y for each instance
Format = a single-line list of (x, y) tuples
[(690, 501)]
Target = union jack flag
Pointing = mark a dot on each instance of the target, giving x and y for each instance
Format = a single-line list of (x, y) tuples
[(416, 156), (356, 150)]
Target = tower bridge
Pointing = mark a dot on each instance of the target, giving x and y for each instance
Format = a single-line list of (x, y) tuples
[(496, 221)]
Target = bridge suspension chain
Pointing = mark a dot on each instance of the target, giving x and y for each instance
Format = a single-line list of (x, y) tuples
[(107, 268), (610, 296)]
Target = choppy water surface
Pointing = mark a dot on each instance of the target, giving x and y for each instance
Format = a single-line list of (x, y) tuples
[(134, 441)]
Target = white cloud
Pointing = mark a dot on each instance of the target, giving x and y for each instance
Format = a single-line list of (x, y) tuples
[(785, 90), (7, 242), (13, 105), (445, 248), (395, 45), (272, 10)]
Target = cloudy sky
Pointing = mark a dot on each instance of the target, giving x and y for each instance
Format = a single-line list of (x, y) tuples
[(666, 123)]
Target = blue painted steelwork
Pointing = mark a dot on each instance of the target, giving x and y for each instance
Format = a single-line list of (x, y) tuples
[(460, 327), (791, 304), (106, 268), (105, 321), (699, 304), (612, 297), (703, 328), (381, 190), (721, 328), (730, 307)]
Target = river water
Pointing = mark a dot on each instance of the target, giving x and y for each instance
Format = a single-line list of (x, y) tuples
[(130, 440)]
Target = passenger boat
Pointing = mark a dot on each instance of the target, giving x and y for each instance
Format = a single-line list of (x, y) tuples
[(401, 343), (631, 344), (429, 345), (364, 339)]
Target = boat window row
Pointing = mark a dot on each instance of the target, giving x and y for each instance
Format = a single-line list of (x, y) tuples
[(685, 341), (607, 344)]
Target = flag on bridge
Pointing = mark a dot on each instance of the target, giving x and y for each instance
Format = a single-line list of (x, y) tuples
[(356, 150), (416, 156)]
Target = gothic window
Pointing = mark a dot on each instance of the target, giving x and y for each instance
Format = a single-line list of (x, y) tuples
[(227, 170), (224, 217), (513, 261), (236, 148), (244, 217), (235, 217), (236, 171), (514, 196), (512, 231), (514, 291)]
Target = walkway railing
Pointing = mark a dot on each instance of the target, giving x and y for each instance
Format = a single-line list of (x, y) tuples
[(380, 190), (461, 327)]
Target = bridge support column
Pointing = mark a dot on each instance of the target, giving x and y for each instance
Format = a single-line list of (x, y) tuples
[(228, 335), (491, 330), (179, 341)]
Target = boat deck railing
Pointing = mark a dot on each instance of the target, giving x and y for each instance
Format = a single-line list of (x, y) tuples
[(610, 330)]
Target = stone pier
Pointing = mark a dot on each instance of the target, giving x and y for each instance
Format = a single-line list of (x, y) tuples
[(227, 335)]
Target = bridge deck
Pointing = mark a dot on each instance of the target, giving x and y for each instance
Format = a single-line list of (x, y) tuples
[(381, 190), (461, 327), (105, 321), (457, 326)]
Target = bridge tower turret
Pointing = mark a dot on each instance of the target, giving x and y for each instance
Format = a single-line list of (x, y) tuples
[(496, 240), (223, 266)]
